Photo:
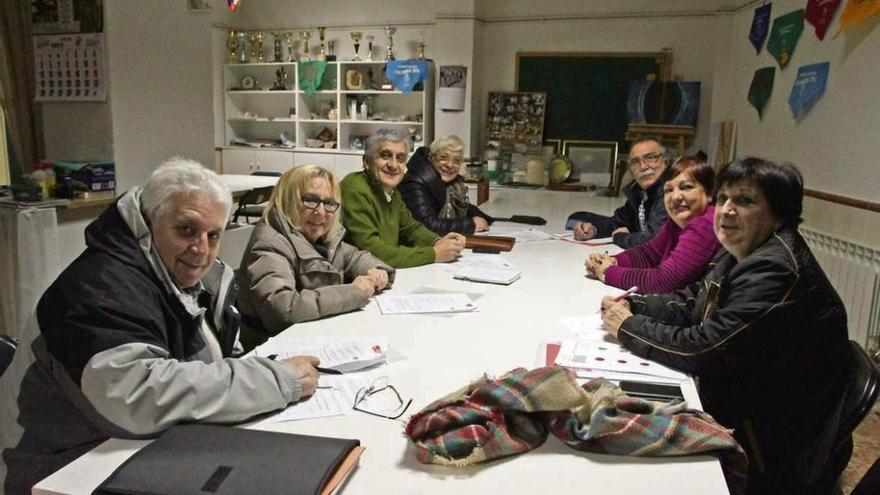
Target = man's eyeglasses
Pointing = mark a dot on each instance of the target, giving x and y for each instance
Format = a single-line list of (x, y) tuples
[(312, 202), (649, 159), (380, 399)]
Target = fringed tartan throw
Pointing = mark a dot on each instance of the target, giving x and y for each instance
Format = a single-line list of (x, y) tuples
[(492, 418)]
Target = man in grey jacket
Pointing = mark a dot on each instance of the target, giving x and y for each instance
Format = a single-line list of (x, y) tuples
[(138, 334)]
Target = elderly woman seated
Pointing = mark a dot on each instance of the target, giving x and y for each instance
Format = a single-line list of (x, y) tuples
[(765, 333), (435, 193), (296, 266), (681, 251)]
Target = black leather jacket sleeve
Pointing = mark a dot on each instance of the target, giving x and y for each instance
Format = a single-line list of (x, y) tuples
[(727, 328)]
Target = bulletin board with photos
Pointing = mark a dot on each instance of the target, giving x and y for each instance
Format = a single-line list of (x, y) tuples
[(515, 122)]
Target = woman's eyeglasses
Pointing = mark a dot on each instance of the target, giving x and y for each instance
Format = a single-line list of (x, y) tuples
[(312, 202), (380, 399)]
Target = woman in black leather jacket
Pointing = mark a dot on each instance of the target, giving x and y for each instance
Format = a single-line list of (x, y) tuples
[(435, 193), (764, 332)]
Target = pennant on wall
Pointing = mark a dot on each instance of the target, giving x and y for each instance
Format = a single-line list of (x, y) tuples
[(809, 85), (233, 4), (762, 86), (784, 36), (405, 74), (819, 14), (857, 12), (760, 26)]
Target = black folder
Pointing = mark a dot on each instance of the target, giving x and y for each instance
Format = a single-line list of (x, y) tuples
[(214, 459)]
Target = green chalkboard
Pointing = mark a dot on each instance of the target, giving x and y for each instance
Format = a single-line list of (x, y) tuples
[(586, 93)]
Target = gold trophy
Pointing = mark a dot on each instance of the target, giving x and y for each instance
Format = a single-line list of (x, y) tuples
[(323, 54), (288, 39), (389, 48), (370, 39), (260, 47), (232, 46), (305, 35), (356, 37)]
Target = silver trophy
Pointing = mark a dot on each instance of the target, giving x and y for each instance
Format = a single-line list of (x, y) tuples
[(370, 39), (389, 47), (276, 46), (421, 46), (288, 40), (241, 46)]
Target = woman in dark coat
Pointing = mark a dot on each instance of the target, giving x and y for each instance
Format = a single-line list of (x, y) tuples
[(435, 193), (764, 332)]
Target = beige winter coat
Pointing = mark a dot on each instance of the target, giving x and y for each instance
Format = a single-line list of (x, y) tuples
[(284, 280)]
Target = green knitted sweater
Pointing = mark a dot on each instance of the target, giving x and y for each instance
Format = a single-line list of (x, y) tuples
[(386, 229)]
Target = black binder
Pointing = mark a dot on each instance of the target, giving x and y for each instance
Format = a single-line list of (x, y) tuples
[(213, 459)]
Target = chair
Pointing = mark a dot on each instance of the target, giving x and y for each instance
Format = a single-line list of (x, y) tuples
[(7, 351), (857, 401), (252, 203), (870, 482)]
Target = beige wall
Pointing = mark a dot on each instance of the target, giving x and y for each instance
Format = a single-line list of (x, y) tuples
[(835, 145)]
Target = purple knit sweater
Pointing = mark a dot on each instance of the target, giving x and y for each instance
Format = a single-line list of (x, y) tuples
[(674, 258)]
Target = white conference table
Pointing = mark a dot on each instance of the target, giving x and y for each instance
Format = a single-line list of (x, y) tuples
[(432, 355)]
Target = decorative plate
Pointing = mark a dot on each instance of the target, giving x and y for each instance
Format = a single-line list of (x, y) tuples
[(560, 169), (247, 82)]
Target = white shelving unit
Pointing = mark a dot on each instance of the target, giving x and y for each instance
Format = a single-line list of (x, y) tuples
[(261, 114)]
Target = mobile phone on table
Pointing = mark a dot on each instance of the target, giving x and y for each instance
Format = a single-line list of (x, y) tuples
[(651, 390)]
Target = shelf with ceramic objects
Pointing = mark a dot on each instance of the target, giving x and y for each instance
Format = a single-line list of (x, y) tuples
[(267, 109)]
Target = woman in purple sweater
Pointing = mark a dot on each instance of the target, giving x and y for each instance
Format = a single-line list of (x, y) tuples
[(680, 253)]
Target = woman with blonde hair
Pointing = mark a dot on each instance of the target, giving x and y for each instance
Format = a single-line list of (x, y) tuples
[(296, 266)]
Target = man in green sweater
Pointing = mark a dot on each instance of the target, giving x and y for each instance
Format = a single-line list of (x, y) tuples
[(376, 218)]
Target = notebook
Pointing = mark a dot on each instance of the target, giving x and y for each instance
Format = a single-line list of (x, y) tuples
[(199, 459)]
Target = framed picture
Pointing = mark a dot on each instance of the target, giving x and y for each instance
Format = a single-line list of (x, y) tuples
[(551, 147), (516, 121), (594, 161)]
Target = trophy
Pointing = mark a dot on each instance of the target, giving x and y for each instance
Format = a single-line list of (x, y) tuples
[(276, 46), (323, 54), (305, 35), (232, 45), (288, 39), (330, 55), (370, 39), (356, 37), (389, 48), (241, 47), (421, 47), (257, 47)]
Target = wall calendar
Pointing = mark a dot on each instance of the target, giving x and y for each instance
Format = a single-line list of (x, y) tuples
[(70, 67)]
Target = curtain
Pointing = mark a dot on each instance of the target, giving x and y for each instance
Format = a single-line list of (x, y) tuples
[(17, 82)]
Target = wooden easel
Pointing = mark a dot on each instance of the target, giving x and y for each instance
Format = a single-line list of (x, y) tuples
[(677, 134)]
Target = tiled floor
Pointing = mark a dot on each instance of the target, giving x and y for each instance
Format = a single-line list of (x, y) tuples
[(866, 449)]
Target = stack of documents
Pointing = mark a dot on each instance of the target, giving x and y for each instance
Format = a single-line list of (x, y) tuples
[(503, 276), (395, 304), (343, 354)]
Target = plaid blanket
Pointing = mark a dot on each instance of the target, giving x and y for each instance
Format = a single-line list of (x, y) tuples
[(492, 418)]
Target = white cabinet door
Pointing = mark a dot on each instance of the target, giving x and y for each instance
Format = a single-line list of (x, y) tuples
[(274, 161), (325, 160), (346, 164), (239, 161)]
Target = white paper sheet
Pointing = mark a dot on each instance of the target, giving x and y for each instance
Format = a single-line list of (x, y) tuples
[(607, 356), (344, 354), (587, 327), (392, 304), (521, 234)]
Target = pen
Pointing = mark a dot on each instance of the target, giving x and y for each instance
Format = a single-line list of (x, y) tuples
[(326, 371), (632, 290)]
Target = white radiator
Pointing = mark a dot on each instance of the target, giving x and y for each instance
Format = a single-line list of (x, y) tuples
[(854, 270)]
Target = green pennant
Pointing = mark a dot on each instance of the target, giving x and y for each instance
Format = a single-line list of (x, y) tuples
[(310, 75), (761, 88), (784, 36)]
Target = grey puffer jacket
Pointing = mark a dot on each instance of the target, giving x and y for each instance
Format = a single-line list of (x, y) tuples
[(115, 349), (284, 279)]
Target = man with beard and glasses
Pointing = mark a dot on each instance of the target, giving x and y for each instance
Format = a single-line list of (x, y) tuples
[(376, 218), (644, 213), (138, 334)]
